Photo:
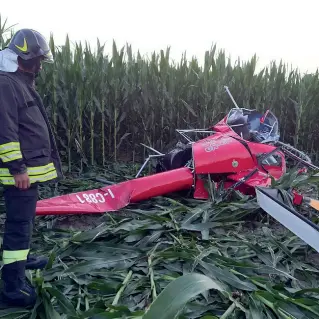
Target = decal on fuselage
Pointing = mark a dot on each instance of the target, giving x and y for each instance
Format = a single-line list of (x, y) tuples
[(213, 145)]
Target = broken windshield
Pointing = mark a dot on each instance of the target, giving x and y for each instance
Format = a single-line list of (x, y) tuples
[(247, 123)]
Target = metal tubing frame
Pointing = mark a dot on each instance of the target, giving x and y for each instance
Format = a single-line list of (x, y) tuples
[(286, 148)]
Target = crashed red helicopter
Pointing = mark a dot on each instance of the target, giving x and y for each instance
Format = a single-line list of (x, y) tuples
[(242, 151)]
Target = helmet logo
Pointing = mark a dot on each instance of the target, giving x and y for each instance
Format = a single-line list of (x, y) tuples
[(24, 48)]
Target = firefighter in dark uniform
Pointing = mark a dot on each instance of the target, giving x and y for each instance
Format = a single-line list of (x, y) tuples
[(28, 157)]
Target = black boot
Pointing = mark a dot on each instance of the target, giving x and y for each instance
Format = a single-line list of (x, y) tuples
[(36, 262), (16, 291)]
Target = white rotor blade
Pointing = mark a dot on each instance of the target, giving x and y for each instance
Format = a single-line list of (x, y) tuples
[(291, 219)]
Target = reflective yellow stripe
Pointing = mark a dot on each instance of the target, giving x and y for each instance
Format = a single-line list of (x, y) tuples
[(11, 256), (44, 177), (37, 174), (34, 179), (7, 181), (8, 147), (41, 169), (32, 171), (10, 156)]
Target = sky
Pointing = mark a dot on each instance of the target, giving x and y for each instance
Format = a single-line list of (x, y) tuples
[(274, 30)]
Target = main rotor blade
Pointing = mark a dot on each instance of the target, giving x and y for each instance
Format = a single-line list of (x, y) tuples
[(288, 217)]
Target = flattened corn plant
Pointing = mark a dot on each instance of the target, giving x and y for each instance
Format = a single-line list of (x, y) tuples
[(170, 258)]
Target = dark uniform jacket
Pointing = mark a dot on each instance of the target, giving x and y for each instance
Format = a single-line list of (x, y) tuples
[(27, 143)]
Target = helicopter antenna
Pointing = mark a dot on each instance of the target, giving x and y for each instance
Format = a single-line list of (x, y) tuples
[(227, 90)]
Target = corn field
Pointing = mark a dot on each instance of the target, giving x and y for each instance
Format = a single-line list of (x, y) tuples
[(102, 107), (167, 257)]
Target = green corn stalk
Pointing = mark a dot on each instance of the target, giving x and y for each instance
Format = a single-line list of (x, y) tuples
[(111, 104)]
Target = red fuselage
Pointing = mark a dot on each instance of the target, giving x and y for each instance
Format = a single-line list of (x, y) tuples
[(224, 155)]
